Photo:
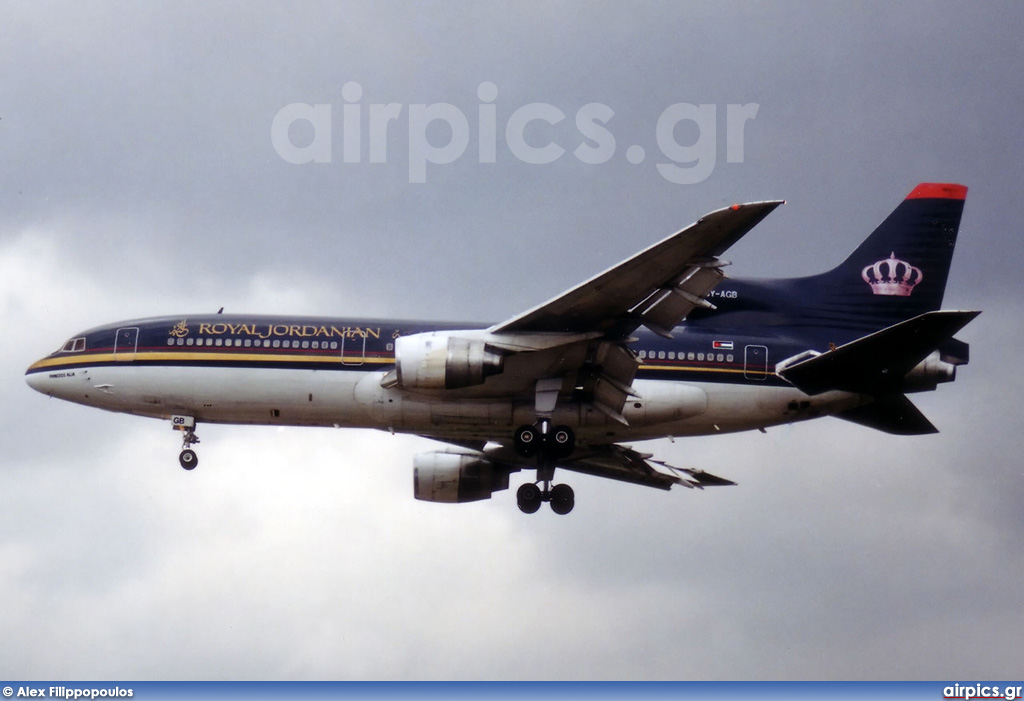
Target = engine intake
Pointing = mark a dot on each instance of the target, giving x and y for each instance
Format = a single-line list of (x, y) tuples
[(456, 478), (444, 361)]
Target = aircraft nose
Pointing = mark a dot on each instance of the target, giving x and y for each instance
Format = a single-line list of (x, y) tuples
[(38, 381)]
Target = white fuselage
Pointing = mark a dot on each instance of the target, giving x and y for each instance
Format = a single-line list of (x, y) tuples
[(356, 398)]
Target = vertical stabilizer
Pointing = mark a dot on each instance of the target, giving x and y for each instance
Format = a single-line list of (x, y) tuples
[(900, 270), (897, 273)]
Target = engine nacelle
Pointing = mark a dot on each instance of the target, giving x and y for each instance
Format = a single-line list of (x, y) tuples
[(455, 478), (440, 360)]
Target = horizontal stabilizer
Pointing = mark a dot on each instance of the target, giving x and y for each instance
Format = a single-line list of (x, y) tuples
[(877, 363), (893, 414)]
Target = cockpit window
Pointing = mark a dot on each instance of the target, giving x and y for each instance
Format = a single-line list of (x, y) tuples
[(74, 345)]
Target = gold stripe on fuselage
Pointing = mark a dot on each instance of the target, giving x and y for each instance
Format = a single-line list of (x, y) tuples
[(128, 356), (249, 357)]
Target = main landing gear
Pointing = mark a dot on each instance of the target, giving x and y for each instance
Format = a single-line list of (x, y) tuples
[(548, 444), (530, 496)]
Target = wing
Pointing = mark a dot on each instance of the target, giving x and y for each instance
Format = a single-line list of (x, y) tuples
[(574, 349), (615, 462), (656, 288), (627, 465)]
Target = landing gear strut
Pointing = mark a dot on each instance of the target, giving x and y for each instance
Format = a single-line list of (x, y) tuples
[(187, 458)]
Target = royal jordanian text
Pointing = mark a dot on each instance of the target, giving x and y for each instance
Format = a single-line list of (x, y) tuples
[(271, 330)]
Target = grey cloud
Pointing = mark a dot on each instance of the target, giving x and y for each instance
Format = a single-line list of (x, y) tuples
[(138, 177)]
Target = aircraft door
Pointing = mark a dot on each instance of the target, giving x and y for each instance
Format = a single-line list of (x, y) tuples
[(755, 362), (353, 349), (125, 343)]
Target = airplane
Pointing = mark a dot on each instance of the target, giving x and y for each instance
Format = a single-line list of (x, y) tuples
[(660, 345)]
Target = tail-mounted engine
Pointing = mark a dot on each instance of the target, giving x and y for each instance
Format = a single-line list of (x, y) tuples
[(456, 477), (937, 368), (441, 360)]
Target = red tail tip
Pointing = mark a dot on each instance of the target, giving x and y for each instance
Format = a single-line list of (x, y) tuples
[(943, 191)]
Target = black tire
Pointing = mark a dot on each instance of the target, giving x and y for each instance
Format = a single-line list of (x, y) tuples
[(528, 498), (528, 441), (562, 441), (563, 499), (188, 459)]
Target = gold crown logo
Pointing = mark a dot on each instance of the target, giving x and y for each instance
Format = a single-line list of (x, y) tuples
[(892, 276)]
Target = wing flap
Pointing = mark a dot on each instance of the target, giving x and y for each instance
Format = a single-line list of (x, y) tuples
[(627, 465), (666, 307), (605, 379)]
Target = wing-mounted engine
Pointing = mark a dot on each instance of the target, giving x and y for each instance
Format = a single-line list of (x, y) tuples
[(444, 360), (452, 477)]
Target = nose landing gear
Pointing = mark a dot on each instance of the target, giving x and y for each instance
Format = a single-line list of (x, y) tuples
[(187, 424)]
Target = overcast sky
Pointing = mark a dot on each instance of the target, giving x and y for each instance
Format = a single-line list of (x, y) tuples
[(139, 176)]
